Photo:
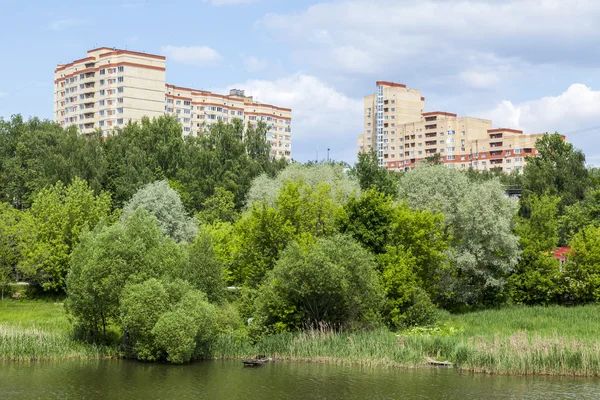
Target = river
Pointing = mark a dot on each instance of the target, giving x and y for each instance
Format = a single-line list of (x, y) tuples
[(229, 380)]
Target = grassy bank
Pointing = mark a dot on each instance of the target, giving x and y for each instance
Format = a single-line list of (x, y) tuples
[(39, 330), (523, 340), (519, 340)]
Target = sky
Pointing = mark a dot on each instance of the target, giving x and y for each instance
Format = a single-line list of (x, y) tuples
[(525, 64)]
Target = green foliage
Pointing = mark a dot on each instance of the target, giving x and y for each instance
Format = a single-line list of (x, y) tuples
[(141, 306), (220, 207), (332, 282), (15, 231), (368, 219), (559, 169), (205, 270), (583, 267), (111, 257), (343, 185), (59, 215), (184, 332), (479, 219), (421, 312), (299, 213), (165, 204), (537, 278), (371, 176)]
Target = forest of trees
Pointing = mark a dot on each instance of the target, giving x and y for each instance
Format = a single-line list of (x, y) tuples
[(142, 232)]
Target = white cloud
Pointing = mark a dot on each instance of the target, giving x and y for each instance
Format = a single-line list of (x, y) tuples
[(229, 2), (254, 64), (321, 115), (192, 55), (429, 37), (574, 109), (65, 23), (3, 94)]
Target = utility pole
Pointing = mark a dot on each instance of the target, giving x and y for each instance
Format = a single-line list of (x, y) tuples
[(328, 154)]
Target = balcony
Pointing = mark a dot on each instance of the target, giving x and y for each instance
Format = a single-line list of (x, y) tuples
[(496, 161), (430, 151), (496, 144), (431, 143), (495, 136), (528, 150), (495, 153), (386, 109), (430, 135), (407, 138), (434, 118), (89, 125), (88, 115), (90, 75), (89, 95), (89, 105), (432, 126), (90, 84)]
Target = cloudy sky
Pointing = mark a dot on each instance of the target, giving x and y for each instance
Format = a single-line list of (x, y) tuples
[(527, 64)]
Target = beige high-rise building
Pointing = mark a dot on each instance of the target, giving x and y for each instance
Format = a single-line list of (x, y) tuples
[(111, 87), (396, 125)]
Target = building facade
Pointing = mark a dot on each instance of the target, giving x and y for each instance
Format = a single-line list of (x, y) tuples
[(398, 128), (111, 87)]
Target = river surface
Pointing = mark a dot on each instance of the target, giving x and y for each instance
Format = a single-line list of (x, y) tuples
[(229, 380)]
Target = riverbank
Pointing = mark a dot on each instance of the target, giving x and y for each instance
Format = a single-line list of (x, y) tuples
[(39, 330), (519, 340)]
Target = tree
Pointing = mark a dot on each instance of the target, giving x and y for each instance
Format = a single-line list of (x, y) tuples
[(60, 214), (583, 266), (332, 282), (479, 218), (559, 169), (370, 175), (219, 207), (111, 257), (537, 279), (343, 186), (368, 219), (164, 203), (15, 231), (205, 270)]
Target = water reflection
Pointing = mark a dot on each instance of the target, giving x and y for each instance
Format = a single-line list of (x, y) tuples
[(228, 380)]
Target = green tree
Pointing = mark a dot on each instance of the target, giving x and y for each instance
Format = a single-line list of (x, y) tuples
[(370, 175), (537, 279), (111, 257), (559, 169), (479, 219), (583, 266), (219, 207), (333, 282), (205, 270), (368, 219), (15, 231), (59, 216), (165, 204)]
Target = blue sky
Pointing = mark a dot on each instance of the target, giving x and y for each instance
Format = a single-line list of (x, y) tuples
[(529, 64)]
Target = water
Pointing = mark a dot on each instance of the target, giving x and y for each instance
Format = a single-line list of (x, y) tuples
[(229, 380)]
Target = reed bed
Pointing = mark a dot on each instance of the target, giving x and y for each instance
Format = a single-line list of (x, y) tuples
[(29, 344)]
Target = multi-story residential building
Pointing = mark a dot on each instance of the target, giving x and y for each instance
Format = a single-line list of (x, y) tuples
[(112, 87), (396, 125)]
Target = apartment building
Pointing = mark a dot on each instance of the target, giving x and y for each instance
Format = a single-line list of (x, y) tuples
[(396, 125), (111, 87)]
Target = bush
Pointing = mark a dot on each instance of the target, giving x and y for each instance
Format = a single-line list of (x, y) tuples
[(333, 281)]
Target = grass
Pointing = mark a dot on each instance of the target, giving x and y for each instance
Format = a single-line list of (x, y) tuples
[(519, 340), (39, 330), (516, 340)]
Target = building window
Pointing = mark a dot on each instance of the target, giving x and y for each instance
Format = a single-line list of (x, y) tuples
[(517, 151), (101, 113), (120, 100), (102, 92), (121, 69), (187, 103), (178, 102), (102, 71), (120, 121), (119, 110), (121, 79), (120, 90)]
